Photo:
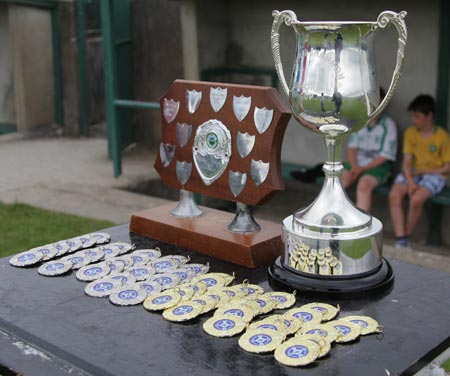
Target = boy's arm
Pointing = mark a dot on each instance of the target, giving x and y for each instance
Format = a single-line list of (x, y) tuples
[(408, 167)]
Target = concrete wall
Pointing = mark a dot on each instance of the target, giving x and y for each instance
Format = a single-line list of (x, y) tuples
[(7, 109), (30, 29)]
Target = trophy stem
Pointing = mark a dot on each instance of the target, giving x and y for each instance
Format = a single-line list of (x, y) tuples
[(333, 166), (186, 208), (243, 221)]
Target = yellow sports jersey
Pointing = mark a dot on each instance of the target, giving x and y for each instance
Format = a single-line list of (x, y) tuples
[(428, 153)]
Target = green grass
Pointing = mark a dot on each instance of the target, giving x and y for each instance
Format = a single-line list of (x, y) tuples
[(23, 227), (446, 365)]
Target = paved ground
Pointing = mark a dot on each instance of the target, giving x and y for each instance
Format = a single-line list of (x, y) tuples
[(76, 176)]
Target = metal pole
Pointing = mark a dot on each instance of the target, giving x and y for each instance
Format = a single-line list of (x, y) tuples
[(442, 93), (82, 79), (110, 85)]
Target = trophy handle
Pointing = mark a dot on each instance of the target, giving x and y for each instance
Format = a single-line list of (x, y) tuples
[(288, 17), (383, 21)]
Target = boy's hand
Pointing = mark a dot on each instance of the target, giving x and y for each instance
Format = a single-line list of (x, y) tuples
[(412, 187)]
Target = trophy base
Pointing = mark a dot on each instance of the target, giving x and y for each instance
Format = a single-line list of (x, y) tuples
[(208, 234), (377, 281)]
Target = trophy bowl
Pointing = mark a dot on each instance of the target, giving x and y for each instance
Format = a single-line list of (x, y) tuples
[(331, 246)]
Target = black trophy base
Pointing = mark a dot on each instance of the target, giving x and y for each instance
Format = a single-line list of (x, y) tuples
[(375, 282)]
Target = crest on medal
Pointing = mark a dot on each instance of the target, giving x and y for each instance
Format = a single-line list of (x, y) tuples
[(193, 99), (170, 109), (237, 181), (183, 133), (217, 98), (241, 106), (263, 118), (166, 153), (259, 171), (245, 143), (211, 150), (183, 170)]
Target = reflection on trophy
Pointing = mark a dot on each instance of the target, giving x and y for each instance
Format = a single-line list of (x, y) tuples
[(332, 246)]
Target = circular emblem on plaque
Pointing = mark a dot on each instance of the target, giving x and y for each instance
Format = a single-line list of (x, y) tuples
[(211, 150)]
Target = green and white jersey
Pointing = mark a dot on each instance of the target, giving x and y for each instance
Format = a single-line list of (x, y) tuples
[(371, 142)]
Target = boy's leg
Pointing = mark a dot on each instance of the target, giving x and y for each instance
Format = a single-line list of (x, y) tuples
[(416, 202), (366, 185), (396, 195)]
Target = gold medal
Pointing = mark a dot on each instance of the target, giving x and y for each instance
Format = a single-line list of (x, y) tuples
[(199, 288), (347, 330), (266, 304), (368, 325), (292, 324), (261, 340), (307, 316), (329, 332), (235, 292), (324, 345), (250, 303), (211, 280), (328, 311), (224, 326), (162, 300), (250, 289), (297, 352), (186, 292), (268, 323), (183, 311), (239, 310), (206, 302), (283, 299), (219, 295)]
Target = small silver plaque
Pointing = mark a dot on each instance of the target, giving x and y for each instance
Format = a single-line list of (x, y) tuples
[(259, 171), (245, 143), (183, 133), (241, 106), (166, 153), (193, 99), (184, 170), (217, 97), (170, 109), (212, 150), (263, 118), (237, 181)]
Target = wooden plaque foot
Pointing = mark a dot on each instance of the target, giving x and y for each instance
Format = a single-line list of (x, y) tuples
[(208, 234)]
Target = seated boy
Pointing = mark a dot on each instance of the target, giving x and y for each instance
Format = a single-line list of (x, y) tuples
[(370, 153), (426, 162)]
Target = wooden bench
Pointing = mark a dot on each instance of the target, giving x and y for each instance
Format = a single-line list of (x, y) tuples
[(434, 206)]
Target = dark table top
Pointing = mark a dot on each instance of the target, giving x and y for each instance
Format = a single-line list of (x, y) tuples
[(49, 327)]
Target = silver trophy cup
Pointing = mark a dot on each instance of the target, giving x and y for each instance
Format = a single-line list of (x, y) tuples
[(332, 246)]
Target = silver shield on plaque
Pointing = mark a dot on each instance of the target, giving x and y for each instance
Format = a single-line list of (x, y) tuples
[(217, 97), (263, 118), (170, 109), (212, 150), (259, 171), (166, 153), (245, 143), (184, 170), (241, 106), (193, 99), (237, 181), (183, 133)]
